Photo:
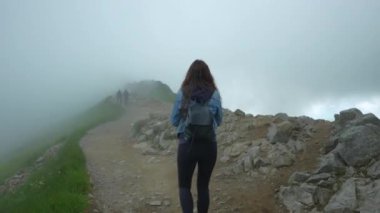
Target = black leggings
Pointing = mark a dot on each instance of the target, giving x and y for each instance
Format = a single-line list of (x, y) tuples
[(189, 155)]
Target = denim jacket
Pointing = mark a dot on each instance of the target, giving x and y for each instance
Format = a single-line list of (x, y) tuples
[(215, 105)]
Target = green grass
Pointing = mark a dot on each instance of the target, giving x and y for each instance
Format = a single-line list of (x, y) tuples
[(62, 184)]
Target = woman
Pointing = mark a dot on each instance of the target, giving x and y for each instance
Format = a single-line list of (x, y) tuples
[(198, 87)]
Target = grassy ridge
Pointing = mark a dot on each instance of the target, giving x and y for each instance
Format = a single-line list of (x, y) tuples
[(62, 184), (25, 157), (152, 90)]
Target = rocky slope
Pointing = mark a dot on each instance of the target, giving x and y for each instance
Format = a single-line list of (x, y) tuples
[(347, 178), (264, 146)]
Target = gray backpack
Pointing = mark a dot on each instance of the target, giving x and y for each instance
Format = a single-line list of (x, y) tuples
[(199, 123)]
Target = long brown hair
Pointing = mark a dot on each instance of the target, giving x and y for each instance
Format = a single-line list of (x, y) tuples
[(198, 76)]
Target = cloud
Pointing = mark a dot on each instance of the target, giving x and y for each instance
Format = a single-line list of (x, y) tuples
[(328, 107), (297, 57)]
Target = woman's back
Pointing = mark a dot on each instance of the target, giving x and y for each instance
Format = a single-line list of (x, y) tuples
[(197, 108)]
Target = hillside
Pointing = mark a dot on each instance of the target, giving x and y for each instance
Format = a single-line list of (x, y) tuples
[(266, 163), (155, 90)]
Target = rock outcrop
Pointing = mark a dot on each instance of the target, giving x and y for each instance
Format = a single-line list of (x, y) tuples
[(247, 144), (347, 178), (155, 135)]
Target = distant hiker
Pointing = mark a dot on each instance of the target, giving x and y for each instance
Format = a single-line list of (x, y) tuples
[(118, 96), (126, 96), (196, 113)]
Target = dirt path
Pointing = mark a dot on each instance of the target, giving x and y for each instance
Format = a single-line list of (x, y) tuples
[(124, 180)]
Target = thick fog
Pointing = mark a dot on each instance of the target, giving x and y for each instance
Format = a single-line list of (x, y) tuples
[(300, 57)]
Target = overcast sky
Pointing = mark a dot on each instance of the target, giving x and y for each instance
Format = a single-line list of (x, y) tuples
[(300, 57)]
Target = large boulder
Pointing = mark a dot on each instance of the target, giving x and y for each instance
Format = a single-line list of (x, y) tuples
[(331, 163), (366, 119), (280, 132), (359, 144), (344, 200), (347, 115)]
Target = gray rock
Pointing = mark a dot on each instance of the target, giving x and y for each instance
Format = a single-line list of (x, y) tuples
[(142, 145), (280, 117), (254, 152), (315, 210), (298, 198), (280, 156), (322, 196), (370, 198), (249, 115), (374, 170), (366, 119), (237, 168), (230, 138), (260, 162), (170, 134), (239, 112), (306, 121), (359, 144), (224, 159), (264, 170), (137, 126), (331, 163), (237, 149), (248, 159), (158, 127), (330, 144), (295, 146), (344, 200), (347, 115), (149, 133), (329, 183), (227, 151), (272, 130), (164, 143), (281, 132), (149, 151), (247, 163), (318, 177), (350, 172), (298, 177)]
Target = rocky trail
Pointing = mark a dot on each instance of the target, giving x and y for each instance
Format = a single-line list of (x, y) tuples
[(123, 179), (265, 163), (128, 180)]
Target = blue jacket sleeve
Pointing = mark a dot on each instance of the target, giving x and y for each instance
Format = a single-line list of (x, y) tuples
[(219, 111), (175, 116)]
